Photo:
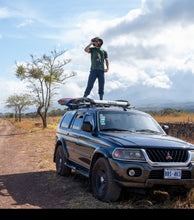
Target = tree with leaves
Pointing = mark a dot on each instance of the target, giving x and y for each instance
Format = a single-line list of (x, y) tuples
[(19, 103), (44, 74)]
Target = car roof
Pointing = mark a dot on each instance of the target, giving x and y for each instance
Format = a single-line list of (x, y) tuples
[(97, 109)]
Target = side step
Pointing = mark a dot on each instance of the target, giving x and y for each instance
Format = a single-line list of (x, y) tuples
[(78, 168)]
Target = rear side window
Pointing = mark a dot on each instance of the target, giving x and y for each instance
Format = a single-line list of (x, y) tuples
[(67, 119), (78, 121)]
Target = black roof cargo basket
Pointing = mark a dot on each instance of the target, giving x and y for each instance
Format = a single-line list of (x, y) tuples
[(75, 103)]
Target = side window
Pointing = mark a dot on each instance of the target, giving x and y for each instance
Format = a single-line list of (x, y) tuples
[(77, 124), (67, 119)]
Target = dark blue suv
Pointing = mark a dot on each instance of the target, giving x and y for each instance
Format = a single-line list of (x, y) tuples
[(115, 145)]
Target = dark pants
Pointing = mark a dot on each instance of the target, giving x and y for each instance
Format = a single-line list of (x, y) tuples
[(94, 74)]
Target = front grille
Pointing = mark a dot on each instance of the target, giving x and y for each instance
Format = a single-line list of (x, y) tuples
[(167, 155)]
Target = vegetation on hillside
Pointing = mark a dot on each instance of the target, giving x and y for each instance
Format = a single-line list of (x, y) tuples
[(172, 115)]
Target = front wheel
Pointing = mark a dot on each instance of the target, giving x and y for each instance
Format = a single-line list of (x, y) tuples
[(103, 186)]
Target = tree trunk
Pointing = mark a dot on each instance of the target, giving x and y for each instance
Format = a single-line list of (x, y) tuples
[(43, 116), (20, 116), (44, 122), (16, 116)]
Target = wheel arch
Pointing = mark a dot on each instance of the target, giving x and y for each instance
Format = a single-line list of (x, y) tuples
[(61, 142), (97, 154)]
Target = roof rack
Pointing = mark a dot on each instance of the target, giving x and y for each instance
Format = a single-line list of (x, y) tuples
[(75, 103)]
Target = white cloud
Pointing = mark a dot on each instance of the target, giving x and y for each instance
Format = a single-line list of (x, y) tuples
[(5, 13), (25, 23), (10, 87), (152, 44), (159, 81), (75, 86), (150, 49)]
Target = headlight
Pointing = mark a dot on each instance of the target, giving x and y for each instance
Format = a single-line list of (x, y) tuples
[(128, 154), (192, 155)]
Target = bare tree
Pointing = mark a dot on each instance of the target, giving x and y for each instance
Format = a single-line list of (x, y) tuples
[(19, 103), (45, 74)]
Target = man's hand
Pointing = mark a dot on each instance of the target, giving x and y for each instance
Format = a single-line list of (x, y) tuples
[(107, 65), (87, 49)]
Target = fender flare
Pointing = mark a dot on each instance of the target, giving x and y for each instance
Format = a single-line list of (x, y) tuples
[(103, 151), (99, 152), (59, 142)]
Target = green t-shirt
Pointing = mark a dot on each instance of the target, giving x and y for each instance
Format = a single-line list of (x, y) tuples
[(98, 55)]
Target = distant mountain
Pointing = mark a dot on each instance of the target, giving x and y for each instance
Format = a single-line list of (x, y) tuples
[(187, 106)]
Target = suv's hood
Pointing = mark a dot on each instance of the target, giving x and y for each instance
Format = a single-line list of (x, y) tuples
[(146, 140)]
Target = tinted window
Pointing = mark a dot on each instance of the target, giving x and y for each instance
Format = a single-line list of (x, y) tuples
[(110, 120), (77, 124), (67, 119)]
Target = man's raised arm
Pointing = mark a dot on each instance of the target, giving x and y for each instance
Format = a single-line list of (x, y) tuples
[(87, 49)]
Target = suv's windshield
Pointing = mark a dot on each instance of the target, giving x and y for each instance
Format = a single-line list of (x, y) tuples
[(127, 121)]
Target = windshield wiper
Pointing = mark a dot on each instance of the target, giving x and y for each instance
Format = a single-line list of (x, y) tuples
[(113, 129), (148, 130)]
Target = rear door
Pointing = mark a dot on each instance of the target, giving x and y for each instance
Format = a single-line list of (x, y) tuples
[(64, 131), (84, 142), (73, 137)]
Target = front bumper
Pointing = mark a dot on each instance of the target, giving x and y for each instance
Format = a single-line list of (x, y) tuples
[(148, 176)]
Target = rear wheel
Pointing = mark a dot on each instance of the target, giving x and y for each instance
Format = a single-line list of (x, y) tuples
[(61, 168), (103, 186)]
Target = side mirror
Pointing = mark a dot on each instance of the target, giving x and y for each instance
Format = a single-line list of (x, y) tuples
[(87, 126), (165, 128)]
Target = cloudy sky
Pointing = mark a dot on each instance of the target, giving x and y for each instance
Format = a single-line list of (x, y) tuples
[(150, 44)]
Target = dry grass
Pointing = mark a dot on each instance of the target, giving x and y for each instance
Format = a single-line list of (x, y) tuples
[(75, 188), (185, 117), (35, 124), (181, 118)]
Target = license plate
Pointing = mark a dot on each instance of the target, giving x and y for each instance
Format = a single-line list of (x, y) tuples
[(172, 173)]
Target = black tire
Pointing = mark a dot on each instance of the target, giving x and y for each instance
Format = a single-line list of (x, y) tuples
[(61, 168), (103, 186)]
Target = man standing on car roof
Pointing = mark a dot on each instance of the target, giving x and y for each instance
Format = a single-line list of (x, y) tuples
[(98, 55)]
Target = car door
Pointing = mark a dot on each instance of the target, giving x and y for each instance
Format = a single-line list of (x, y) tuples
[(82, 142), (73, 136), (64, 131), (86, 142)]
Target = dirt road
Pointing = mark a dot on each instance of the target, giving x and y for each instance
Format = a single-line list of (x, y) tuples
[(27, 173), (17, 178), (27, 180)]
